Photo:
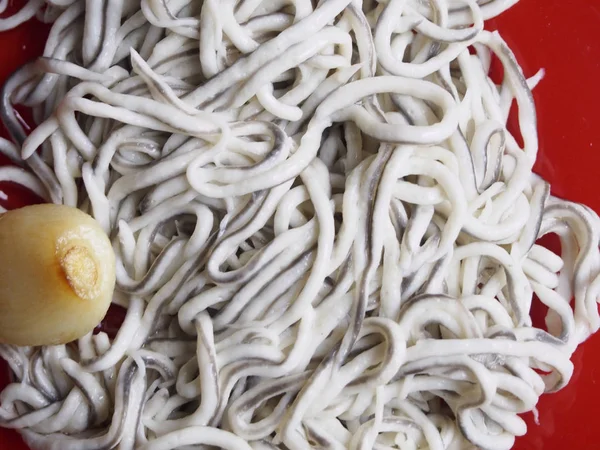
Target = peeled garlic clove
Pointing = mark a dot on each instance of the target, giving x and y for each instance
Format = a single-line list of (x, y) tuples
[(57, 275)]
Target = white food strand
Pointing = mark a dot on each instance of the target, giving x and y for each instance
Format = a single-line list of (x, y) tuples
[(326, 236)]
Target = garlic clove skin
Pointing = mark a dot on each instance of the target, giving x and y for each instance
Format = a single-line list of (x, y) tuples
[(57, 275)]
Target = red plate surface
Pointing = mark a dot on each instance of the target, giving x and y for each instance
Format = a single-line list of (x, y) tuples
[(564, 38)]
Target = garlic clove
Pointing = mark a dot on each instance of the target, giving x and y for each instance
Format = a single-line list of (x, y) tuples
[(57, 275)]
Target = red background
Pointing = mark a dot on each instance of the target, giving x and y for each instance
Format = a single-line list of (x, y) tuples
[(564, 38)]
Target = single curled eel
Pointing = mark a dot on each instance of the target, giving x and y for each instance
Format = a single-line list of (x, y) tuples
[(325, 233)]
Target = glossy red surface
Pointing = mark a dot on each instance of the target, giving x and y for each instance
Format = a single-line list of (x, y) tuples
[(564, 38)]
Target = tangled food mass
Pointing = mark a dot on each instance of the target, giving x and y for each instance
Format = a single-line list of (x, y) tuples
[(325, 235)]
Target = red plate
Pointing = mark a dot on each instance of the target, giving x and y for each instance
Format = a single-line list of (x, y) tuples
[(564, 38)]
